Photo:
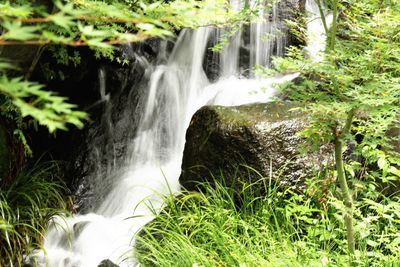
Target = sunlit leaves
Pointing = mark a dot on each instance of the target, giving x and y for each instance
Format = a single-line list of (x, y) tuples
[(6, 65), (80, 21), (361, 76), (8, 10), (16, 31), (98, 24), (44, 106), (62, 20)]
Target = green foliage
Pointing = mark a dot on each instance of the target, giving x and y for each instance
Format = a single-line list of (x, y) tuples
[(263, 225), (103, 23), (30, 99), (100, 25), (354, 89), (26, 207), (361, 75), (47, 108)]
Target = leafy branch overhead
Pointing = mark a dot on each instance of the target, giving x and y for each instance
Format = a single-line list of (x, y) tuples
[(100, 25), (44, 106)]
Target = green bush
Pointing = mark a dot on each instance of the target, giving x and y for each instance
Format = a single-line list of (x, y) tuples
[(26, 207)]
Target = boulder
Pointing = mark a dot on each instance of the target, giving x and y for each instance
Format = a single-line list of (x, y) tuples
[(264, 137), (107, 263)]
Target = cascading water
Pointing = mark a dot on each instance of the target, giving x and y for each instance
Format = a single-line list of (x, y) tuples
[(316, 33), (265, 34), (176, 89)]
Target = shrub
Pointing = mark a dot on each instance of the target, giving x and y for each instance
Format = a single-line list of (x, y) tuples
[(26, 207), (281, 228)]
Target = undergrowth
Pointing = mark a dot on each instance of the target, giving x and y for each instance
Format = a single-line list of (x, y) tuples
[(263, 225), (26, 206)]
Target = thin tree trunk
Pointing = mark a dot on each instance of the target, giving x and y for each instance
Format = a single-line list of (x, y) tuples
[(332, 34), (346, 194), (34, 63), (322, 15)]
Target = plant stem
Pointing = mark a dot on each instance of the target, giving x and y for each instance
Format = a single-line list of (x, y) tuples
[(322, 15), (346, 194), (339, 137), (332, 35), (34, 63)]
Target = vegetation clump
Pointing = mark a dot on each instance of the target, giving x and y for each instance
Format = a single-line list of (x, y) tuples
[(26, 206), (223, 227), (352, 96)]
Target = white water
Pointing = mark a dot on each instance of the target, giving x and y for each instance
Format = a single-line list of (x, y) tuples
[(316, 33), (266, 34), (153, 162)]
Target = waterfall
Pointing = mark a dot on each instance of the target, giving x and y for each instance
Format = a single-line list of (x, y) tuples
[(316, 40), (177, 87)]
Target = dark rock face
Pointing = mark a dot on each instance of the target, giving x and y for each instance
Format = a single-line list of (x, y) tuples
[(5, 154), (292, 10), (105, 140), (107, 263), (259, 136), (12, 152), (114, 113)]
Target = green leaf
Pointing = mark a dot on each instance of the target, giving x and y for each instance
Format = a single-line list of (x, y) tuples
[(382, 164), (98, 42), (393, 170), (7, 10), (372, 243), (6, 65), (16, 31), (47, 108), (62, 20)]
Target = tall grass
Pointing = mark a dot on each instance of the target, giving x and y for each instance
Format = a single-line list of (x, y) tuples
[(263, 225), (26, 206)]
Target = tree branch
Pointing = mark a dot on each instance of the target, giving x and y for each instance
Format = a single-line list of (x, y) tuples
[(86, 18), (77, 43)]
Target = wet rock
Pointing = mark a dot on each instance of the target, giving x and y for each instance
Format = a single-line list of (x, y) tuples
[(231, 139), (286, 10), (12, 152), (107, 263), (5, 153), (292, 10), (104, 147)]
